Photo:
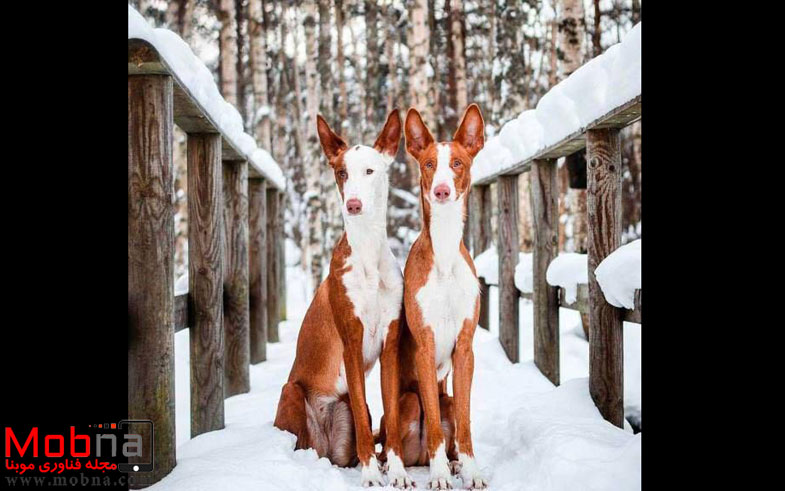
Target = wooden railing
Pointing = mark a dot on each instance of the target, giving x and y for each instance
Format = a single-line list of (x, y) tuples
[(235, 257), (601, 140)]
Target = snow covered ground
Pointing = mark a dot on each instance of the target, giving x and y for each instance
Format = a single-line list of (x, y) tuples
[(527, 433)]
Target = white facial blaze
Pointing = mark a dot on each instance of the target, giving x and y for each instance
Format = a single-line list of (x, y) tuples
[(444, 173), (370, 189)]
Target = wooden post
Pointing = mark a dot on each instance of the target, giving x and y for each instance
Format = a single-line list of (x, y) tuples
[(281, 255), (151, 264), (272, 266), (237, 355), (545, 219), (205, 258), (508, 259), (257, 230), (467, 220), (480, 231), (485, 312), (480, 219), (606, 379)]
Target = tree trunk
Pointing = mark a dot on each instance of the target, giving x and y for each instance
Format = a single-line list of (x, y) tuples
[(596, 35), (371, 70), (343, 110), (419, 62), (227, 40), (457, 76), (571, 33), (333, 223), (314, 203), (257, 31), (392, 62)]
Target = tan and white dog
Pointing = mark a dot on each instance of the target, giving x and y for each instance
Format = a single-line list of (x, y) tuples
[(442, 302), (353, 318)]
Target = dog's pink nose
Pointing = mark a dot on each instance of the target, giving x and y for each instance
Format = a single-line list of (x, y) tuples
[(442, 192), (354, 206)]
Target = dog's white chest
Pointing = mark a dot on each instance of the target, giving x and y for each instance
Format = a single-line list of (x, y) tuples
[(375, 288), (446, 300)]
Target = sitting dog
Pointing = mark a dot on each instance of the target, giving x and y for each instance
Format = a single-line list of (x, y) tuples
[(442, 305), (353, 317)]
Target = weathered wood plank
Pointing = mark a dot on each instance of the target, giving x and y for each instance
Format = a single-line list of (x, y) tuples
[(257, 230), (508, 258), (272, 266), (480, 231), (205, 256), (181, 312), (544, 194), (151, 264), (618, 117), (188, 114), (485, 312), (280, 250), (237, 351), (606, 349), (480, 219)]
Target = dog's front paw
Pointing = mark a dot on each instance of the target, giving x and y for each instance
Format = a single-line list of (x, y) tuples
[(470, 473), (476, 482), (440, 470), (371, 475), (439, 483), (396, 473)]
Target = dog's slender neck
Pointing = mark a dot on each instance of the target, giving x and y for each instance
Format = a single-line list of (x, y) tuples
[(368, 232), (445, 231)]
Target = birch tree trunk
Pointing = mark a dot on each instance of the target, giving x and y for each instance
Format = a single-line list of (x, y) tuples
[(391, 34), (571, 34), (418, 70), (456, 100), (292, 71), (343, 110), (333, 223), (314, 203), (242, 65), (227, 41), (371, 70), (258, 33)]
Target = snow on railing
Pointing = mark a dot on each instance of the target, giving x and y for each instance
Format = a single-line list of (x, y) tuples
[(607, 82), (196, 78), (586, 110), (619, 275)]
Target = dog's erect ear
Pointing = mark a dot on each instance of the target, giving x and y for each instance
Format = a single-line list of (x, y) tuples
[(390, 137), (418, 138), (332, 144), (471, 132)]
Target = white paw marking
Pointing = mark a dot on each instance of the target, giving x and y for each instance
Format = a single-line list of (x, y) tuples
[(470, 472), (396, 473), (371, 475), (440, 470)]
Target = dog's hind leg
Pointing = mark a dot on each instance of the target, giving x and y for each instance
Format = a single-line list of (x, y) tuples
[(446, 410), (292, 413), (414, 451)]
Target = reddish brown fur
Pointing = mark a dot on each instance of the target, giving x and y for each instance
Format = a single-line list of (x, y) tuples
[(330, 334), (445, 418)]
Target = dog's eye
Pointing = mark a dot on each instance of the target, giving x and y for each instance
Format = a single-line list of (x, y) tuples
[(457, 163), (342, 174), (429, 165), (368, 171)]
